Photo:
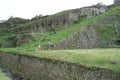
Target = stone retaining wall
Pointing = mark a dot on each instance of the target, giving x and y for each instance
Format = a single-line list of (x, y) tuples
[(33, 68)]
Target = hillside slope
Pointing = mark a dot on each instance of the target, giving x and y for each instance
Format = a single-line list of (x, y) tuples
[(99, 31), (93, 32)]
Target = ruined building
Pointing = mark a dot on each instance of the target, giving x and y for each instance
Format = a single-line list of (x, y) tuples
[(117, 2)]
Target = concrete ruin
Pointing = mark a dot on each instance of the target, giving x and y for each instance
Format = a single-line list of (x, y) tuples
[(117, 2)]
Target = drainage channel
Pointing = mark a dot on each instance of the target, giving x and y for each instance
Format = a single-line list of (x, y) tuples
[(11, 75)]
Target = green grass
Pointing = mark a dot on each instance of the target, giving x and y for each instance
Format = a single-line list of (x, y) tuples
[(53, 38), (106, 31), (2, 38), (3, 76), (102, 58)]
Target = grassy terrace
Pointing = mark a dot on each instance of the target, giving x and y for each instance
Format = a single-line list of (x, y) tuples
[(3, 76), (102, 58)]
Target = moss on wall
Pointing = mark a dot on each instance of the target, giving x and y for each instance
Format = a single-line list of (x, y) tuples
[(34, 68)]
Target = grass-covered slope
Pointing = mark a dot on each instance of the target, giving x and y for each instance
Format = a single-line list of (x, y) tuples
[(103, 26)]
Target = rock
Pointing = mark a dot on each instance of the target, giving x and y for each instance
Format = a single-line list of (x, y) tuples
[(117, 2), (23, 39), (61, 20), (113, 62), (73, 17), (92, 11)]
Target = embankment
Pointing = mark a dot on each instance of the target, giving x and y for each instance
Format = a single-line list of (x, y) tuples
[(33, 68)]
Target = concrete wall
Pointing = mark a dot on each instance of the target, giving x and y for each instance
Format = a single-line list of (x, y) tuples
[(33, 68)]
